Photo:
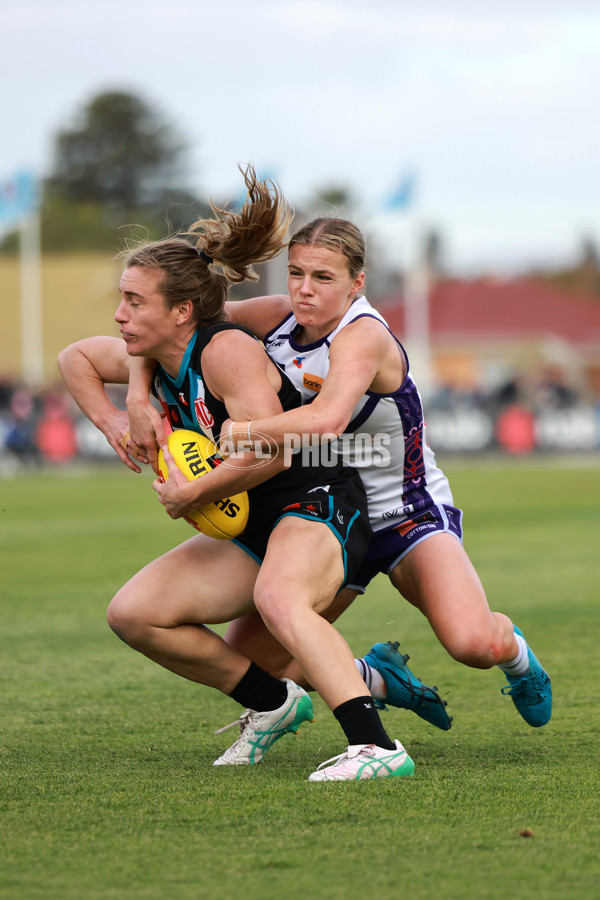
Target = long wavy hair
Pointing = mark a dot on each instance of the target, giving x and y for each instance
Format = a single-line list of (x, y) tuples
[(233, 241)]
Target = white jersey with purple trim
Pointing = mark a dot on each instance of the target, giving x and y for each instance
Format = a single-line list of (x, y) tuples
[(385, 438)]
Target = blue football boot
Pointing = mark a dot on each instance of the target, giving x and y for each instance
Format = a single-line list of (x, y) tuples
[(532, 692), (404, 689)]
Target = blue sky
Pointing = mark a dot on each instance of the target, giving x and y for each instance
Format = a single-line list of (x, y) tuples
[(493, 105)]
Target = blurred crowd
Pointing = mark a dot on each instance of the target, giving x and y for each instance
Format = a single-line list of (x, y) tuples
[(36, 427), (45, 427), (548, 390), (540, 412)]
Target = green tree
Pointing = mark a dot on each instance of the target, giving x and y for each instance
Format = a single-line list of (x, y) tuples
[(333, 200), (120, 164), (120, 154)]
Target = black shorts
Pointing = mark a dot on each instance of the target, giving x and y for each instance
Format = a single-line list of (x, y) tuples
[(339, 502)]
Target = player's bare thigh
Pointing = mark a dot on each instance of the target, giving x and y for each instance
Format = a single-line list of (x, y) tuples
[(438, 578), (250, 636), (201, 581), (303, 563)]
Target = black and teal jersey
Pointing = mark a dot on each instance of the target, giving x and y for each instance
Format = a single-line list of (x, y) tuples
[(187, 401), (331, 493)]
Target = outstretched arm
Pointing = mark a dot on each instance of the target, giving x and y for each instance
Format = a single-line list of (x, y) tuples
[(86, 367), (259, 314)]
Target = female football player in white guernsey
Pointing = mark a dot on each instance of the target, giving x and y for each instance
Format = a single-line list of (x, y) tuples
[(355, 380), (172, 311)]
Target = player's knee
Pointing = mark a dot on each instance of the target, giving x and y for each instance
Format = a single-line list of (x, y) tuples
[(123, 620), (477, 651), (276, 612)]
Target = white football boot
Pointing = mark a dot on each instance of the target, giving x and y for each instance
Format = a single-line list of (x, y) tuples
[(365, 761), (260, 730)]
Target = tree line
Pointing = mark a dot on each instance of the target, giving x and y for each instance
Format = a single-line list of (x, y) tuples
[(120, 163)]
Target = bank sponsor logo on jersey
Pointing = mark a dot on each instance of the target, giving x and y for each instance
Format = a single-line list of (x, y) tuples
[(424, 520), (312, 382), (204, 416), (298, 361), (313, 508)]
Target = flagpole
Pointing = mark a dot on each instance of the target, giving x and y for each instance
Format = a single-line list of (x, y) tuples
[(32, 345), (417, 284), (416, 320)]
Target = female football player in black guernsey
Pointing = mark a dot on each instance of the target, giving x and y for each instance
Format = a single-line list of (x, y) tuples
[(290, 561)]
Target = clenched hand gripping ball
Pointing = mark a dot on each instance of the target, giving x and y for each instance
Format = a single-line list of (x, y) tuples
[(196, 455)]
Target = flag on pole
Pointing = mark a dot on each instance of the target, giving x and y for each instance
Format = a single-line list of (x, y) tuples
[(19, 197), (403, 194)]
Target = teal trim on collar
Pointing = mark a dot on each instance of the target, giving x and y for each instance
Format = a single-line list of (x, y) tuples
[(185, 362)]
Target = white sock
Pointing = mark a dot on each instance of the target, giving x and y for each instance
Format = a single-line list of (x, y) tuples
[(520, 664), (372, 678)]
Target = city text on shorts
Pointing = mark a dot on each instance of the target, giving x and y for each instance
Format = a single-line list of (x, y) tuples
[(260, 730), (404, 689), (363, 762)]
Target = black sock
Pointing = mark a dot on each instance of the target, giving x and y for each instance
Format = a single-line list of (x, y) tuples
[(360, 721), (259, 690)]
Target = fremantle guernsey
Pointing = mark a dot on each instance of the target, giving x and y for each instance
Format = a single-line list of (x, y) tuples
[(385, 438)]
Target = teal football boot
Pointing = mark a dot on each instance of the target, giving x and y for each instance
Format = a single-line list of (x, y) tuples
[(404, 689), (532, 692)]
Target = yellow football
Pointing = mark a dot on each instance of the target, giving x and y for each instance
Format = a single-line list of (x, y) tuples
[(196, 455)]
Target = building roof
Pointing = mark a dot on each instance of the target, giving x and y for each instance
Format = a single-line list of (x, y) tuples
[(516, 309)]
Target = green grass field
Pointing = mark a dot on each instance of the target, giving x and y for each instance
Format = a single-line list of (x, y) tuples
[(107, 786)]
